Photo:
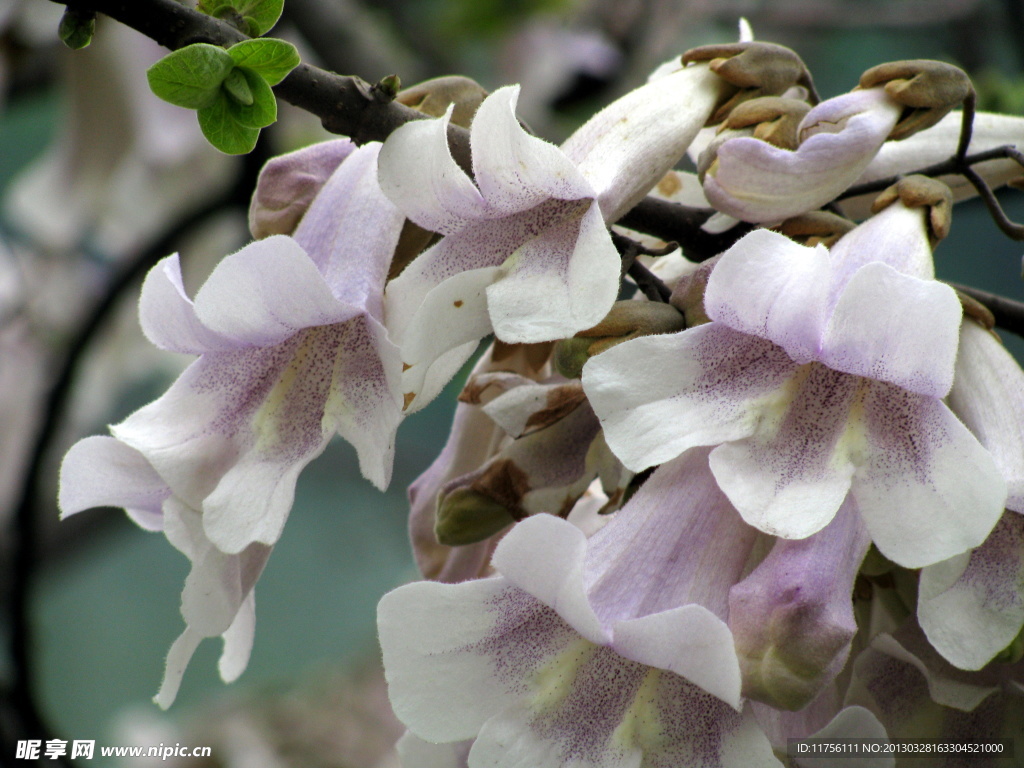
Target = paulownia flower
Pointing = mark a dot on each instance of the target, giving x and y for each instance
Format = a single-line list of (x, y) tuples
[(916, 694), (292, 349), (601, 652), (971, 606), (820, 378), (218, 598), (756, 181), (525, 252)]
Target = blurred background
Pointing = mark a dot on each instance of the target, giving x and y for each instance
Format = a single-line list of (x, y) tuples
[(99, 179)]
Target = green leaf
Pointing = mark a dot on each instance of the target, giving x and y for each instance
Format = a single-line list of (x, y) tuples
[(273, 59), (77, 28), (222, 129), (238, 87), (263, 109), (261, 15), (191, 76)]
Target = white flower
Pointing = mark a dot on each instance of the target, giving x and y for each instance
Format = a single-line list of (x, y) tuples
[(821, 376), (291, 350), (525, 252)]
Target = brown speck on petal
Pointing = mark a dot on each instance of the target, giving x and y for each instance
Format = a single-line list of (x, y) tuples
[(405, 367), (458, 303), (409, 397)]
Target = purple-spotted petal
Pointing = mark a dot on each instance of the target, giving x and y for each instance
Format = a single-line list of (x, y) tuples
[(557, 284), (439, 643), (657, 396), (922, 461), (614, 712), (971, 606), (792, 474), (543, 555)]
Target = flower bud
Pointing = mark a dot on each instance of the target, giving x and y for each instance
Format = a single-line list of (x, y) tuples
[(466, 516), (627, 320), (928, 89)]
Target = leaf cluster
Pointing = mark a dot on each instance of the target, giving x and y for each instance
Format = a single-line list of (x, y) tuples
[(230, 89)]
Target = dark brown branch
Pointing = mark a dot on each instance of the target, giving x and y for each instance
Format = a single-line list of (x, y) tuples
[(944, 168), (348, 106), (1008, 314), (678, 223)]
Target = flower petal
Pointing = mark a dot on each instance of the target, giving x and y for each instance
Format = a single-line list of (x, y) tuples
[(557, 284), (627, 147), (101, 471), (288, 183), (896, 328), (792, 617), (266, 292), (543, 555), (922, 461), (758, 182), (769, 286), (514, 170), (971, 606), (442, 678), (988, 396), (657, 396), (355, 267), (791, 475), (167, 316), (418, 174)]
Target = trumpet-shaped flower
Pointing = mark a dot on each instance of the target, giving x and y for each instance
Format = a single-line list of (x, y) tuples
[(292, 349), (525, 251), (753, 180), (218, 598), (971, 606), (820, 376), (601, 652)]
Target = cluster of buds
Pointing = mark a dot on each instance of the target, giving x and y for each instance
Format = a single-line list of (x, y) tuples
[(775, 493)]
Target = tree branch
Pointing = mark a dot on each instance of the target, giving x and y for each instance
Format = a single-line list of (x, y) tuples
[(348, 106)]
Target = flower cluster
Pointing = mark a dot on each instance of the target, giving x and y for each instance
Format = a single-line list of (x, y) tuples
[(777, 493)]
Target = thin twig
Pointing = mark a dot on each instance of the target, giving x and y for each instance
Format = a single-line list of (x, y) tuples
[(944, 168), (1008, 313)]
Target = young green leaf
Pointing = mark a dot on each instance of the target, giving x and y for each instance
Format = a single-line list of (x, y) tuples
[(238, 87), (191, 76), (260, 15), (262, 110), (221, 129), (273, 59)]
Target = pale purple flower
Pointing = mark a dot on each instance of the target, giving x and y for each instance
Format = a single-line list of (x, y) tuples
[(525, 252), (917, 695), (292, 349), (971, 606), (759, 182), (218, 597), (820, 378), (599, 652)]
